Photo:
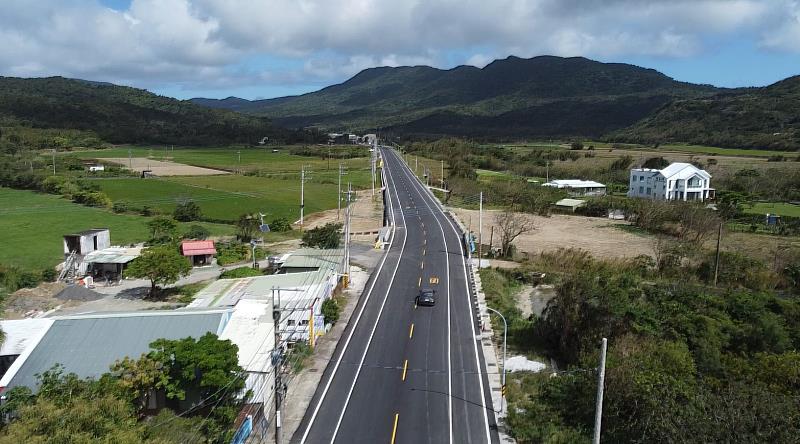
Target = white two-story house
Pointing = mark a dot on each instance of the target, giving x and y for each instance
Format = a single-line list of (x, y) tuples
[(678, 181)]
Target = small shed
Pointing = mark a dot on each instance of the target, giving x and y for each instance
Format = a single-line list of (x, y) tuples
[(82, 244), (569, 204), (199, 252), (110, 263)]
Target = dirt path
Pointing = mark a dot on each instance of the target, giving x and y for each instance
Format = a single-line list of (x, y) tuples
[(598, 236), (160, 168)]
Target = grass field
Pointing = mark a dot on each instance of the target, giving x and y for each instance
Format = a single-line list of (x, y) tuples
[(222, 197), (31, 226), (260, 160), (779, 208)]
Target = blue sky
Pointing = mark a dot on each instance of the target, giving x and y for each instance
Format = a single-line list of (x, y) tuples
[(270, 48)]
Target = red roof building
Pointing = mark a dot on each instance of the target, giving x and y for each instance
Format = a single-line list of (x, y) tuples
[(200, 251)]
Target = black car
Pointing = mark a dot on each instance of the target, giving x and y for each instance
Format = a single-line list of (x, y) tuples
[(426, 297)]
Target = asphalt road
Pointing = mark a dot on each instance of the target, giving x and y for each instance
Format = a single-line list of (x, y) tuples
[(402, 373)]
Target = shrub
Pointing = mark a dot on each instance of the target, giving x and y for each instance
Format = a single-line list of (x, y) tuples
[(232, 253), (241, 272), (280, 224), (120, 207), (331, 311), (326, 236), (187, 211), (196, 232)]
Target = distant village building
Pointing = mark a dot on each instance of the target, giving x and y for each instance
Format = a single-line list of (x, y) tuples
[(577, 187), (678, 181), (199, 252)]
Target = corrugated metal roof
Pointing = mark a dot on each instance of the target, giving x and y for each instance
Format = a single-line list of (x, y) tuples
[(573, 183), (570, 203), (314, 258), (113, 255), (88, 345), (227, 292)]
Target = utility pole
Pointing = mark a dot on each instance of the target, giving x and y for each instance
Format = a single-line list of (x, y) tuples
[(601, 377), (716, 260), (130, 159), (491, 238), (339, 196), (547, 178), (276, 316), (239, 162), (302, 194), (480, 232), (442, 174), (54, 162), (416, 164), (348, 215)]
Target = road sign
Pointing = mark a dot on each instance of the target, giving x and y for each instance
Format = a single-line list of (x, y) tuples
[(264, 228)]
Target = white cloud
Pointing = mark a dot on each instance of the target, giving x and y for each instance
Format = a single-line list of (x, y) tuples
[(207, 43)]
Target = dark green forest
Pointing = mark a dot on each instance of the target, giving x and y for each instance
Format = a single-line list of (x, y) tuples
[(543, 97), (99, 112)]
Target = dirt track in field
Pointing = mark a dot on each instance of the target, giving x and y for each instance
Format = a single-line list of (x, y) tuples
[(161, 168)]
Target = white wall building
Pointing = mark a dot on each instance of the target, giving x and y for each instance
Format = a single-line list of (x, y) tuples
[(678, 181), (577, 187)]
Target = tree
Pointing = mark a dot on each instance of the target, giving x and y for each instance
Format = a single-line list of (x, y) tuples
[(577, 145), (161, 265), (326, 236), (656, 163), (196, 232), (247, 227), (512, 224), (162, 230), (696, 222), (187, 211), (207, 368)]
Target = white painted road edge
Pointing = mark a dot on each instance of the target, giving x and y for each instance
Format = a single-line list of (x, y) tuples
[(355, 325)]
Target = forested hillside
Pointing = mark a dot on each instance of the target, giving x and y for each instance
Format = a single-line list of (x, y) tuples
[(83, 112), (541, 96), (754, 118)]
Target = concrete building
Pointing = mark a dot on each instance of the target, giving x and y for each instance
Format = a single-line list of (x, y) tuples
[(577, 187), (199, 252), (678, 181), (312, 259), (299, 297), (78, 245)]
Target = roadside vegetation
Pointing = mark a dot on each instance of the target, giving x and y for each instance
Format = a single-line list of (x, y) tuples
[(685, 358), (115, 407)]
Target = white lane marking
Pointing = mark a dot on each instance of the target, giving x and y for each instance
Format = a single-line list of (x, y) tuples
[(380, 314), (449, 336), (352, 331), (469, 305)]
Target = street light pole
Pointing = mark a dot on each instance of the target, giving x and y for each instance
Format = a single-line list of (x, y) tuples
[(505, 343)]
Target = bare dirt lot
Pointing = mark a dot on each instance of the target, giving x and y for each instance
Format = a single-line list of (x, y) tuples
[(161, 168), (598, 236), (367, 216)]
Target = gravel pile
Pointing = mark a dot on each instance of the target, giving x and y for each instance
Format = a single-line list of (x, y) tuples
[(78, 293)]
